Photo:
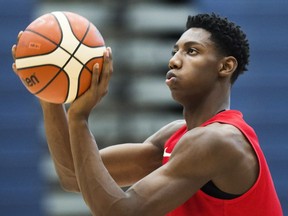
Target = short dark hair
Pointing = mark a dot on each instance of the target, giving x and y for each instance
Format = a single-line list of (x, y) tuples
[(227, 36)]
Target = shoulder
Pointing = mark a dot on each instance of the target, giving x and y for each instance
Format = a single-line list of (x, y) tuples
[(216, 147), (161, 136), (216, 135)]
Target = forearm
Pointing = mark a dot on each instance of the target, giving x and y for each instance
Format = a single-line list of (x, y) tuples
[(98, 188), (57, 135)]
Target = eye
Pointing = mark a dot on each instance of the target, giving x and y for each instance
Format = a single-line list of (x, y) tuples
[(192, 51)]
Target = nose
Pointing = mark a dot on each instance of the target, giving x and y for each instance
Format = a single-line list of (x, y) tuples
[(174, 62)]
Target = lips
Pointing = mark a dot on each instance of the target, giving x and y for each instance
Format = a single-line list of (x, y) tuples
[(170, 75), (170, 79)]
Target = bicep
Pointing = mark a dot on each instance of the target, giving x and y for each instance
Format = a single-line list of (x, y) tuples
[(127, 163)]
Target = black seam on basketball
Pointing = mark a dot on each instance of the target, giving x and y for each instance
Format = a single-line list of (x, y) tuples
[(62, 68), (57, 45), (72, 54), (28, 56), (80, 42), (83, 65), (48, 83), (51, 82), (60, 30), (63, 33)]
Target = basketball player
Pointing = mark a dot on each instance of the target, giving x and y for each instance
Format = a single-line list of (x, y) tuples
[(208, 164)]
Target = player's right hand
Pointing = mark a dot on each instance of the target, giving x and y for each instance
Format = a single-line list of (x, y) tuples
[(83, 105)]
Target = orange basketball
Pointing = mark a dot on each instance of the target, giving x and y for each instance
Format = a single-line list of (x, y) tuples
[(55, 56)]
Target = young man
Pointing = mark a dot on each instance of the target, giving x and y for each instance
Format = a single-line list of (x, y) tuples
[(210, 163)]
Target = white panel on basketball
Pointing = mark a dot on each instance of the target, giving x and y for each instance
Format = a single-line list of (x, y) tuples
[(74, 68), (69, 41), (51, 58), (85, 53)]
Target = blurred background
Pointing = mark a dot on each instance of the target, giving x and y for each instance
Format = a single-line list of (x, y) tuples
[(141, 34)]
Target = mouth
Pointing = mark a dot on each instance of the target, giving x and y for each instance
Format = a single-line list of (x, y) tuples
[(170, 75), (170, 79)]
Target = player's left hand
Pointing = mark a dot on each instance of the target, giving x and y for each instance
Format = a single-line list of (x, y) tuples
[(83, 105), (13, 51)]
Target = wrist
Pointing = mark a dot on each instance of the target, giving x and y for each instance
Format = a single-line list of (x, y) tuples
[(74, 115), (45, 104), (50, 107)]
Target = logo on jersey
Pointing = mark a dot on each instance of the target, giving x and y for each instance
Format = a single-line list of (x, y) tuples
[(165, 153)]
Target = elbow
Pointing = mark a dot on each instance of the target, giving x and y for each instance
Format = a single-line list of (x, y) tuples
[(69, 185), (67, 180)]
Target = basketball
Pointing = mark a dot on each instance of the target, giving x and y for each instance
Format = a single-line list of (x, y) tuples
[(55, 56)]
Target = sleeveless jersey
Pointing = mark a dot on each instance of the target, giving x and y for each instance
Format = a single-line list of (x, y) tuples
[(260, 200)]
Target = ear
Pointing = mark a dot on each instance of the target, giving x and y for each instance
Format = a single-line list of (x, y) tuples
[(228, 66)]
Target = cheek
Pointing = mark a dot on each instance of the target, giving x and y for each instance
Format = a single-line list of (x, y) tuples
[(201, 76), (203, 70)]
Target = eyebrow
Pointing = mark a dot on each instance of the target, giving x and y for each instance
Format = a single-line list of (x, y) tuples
[(190, 43)]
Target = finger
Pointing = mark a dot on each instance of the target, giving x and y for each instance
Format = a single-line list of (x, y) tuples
[(107, 64), (103, 82), (14, 68), (95, 75), (19, 35), (13, 50), (107, 69), (111, 61), (15, 46), (109, 49)]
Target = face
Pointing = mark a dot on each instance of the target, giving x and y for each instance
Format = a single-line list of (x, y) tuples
[(194, 66)]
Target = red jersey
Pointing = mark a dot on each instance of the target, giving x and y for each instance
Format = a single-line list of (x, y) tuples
[(260, 200)]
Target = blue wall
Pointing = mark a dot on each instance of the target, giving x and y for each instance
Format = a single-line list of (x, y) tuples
[(20, 179), (261, 93)]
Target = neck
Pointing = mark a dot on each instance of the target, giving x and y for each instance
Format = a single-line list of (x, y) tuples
[(197, 114)]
